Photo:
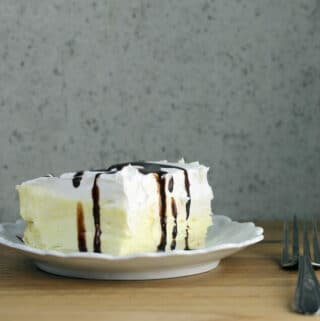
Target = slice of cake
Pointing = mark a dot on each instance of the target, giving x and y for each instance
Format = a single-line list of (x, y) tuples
[(127, 208)]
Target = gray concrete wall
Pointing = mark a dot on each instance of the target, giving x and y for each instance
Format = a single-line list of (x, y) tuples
[(234, 84)]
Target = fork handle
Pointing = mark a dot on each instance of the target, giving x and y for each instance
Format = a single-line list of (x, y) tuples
[(307, 296)]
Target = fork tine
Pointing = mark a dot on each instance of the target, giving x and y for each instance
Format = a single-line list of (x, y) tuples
[(295, 239), (306, 246), (285, 242), (315, 239)]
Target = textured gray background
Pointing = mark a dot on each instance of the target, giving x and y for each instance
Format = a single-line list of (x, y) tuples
[(234, 84)]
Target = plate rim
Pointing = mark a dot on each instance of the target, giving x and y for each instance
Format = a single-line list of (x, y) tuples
[(89, 255)]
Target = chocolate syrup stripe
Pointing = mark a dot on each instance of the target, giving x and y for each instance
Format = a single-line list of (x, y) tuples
[(82, 244), (175, 225), (186, 239), (76, 180), (163, 217), (170, 185), (96, 214)]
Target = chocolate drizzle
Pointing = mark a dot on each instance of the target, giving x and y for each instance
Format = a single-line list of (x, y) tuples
[(186, 239), (19, 238), (175, 225), (187, 186), (144, 168), (163, 217), (96, 214), (170, 185), (76, 180), (82, 244)]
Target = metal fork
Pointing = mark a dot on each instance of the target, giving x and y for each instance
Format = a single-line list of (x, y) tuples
[(292, 262), (307, 295)]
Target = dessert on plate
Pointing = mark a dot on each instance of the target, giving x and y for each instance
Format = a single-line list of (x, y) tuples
[(124, 209)]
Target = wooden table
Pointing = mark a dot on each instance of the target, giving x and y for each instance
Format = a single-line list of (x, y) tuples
[(246, 286)]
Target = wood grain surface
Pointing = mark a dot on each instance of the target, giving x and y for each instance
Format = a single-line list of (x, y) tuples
[(246, 286)]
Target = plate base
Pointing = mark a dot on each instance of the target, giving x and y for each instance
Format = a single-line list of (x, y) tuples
[(224, 238), (145, 275)]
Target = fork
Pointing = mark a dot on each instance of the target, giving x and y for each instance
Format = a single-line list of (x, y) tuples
[(307, 294), (292, 262)]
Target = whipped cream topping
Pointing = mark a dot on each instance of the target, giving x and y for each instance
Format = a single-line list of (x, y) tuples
[(129, 183)]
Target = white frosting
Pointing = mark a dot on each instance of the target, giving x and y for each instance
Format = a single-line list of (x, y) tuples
[(130, 188)]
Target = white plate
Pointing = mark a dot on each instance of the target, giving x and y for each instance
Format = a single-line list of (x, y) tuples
[(224, 238)]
